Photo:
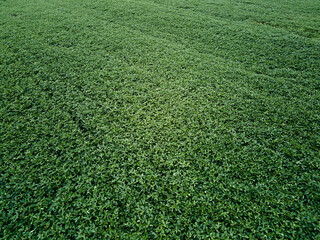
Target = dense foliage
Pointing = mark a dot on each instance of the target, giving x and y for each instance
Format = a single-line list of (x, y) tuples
[(164, 119)]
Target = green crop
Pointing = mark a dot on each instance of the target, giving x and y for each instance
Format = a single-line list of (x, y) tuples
[(163, 119)]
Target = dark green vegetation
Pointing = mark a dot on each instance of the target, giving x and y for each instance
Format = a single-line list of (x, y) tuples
[(174, 119)]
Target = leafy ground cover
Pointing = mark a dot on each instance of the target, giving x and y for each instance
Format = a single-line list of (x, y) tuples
[(164, 119)]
